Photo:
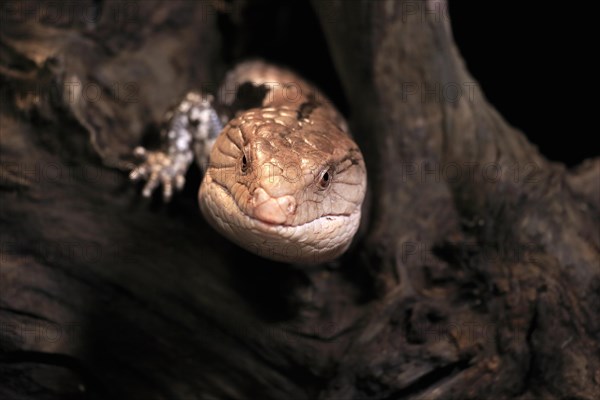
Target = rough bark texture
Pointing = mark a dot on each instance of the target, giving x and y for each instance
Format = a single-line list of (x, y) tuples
[(476, 274)]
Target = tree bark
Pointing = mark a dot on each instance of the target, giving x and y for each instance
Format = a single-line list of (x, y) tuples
[(476, 273)]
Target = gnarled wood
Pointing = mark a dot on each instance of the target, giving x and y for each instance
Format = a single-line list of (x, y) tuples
[(476, 274)]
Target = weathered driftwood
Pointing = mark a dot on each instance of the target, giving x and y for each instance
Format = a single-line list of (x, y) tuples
[(476, 274)]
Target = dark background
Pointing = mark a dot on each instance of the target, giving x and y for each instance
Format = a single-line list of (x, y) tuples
[(522, 54)]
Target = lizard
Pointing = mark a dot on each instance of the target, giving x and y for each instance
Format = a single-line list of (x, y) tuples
[(282, 176)]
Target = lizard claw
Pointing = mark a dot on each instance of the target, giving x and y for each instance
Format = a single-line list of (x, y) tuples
[(139, 152), (167, 190), (141, 171), (179, 182)]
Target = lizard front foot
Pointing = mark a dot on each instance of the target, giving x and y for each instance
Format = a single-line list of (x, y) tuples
[(191, 129), (159, 168)]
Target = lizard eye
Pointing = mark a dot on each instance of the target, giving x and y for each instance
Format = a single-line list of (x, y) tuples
[(244, 164), (325, 178)]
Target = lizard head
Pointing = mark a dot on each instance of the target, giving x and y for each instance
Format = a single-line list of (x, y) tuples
[(284, 187)]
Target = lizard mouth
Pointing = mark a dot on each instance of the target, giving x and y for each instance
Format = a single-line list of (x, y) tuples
[(270, 217), (312, 242)]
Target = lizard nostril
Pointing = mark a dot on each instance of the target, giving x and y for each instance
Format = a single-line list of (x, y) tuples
[(288, 204)]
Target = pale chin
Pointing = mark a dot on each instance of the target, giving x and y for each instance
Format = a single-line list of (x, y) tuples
[(314, 242)]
